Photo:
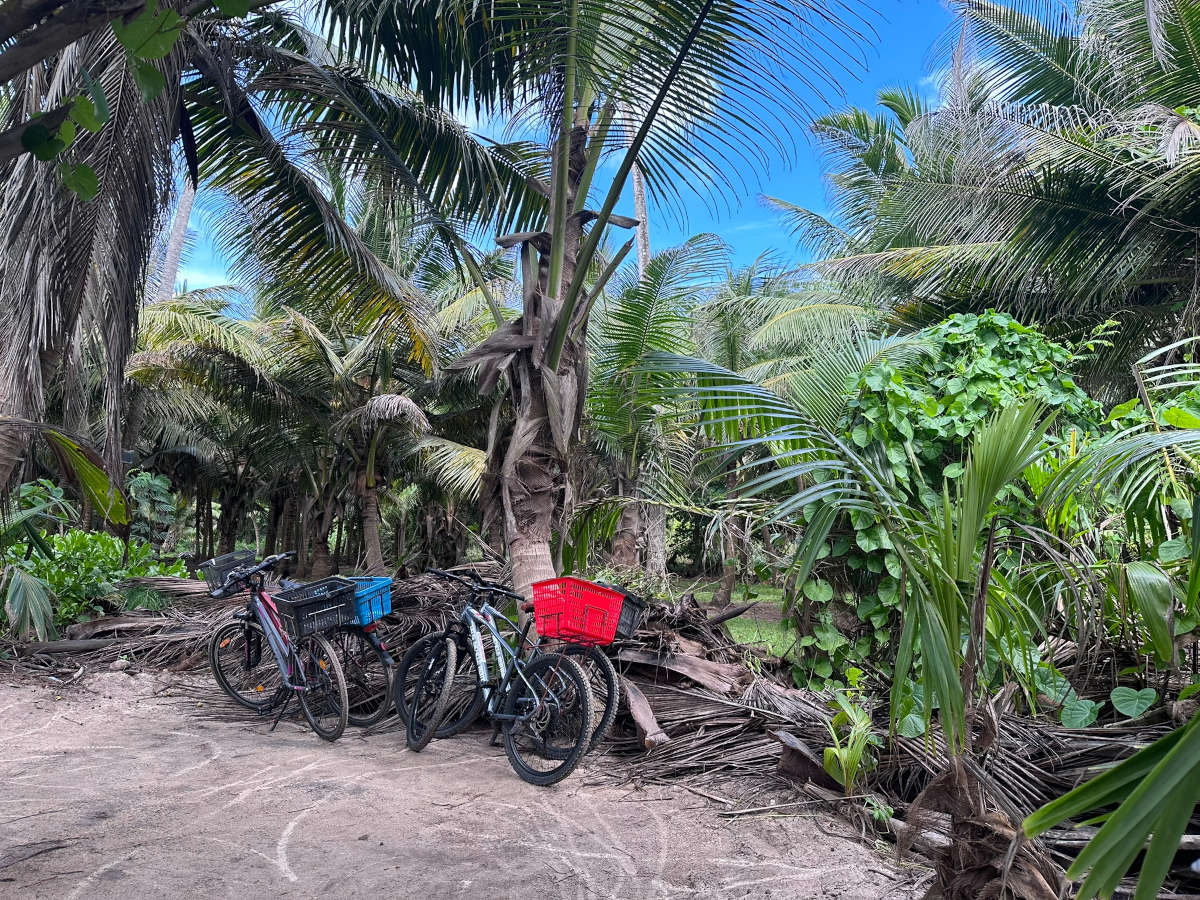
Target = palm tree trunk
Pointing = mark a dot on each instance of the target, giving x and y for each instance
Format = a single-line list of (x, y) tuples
[(624, 548), (530, 467), (642, 215), (655, 517), (321, 565), (369, 505), (170, 269), (729, 553)]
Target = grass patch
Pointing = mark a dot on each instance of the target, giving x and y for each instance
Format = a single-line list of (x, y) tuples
[(704, 588), (777, 637)]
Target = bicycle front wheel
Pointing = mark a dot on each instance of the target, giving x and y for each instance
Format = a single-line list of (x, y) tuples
[(431, 695), (551, 719), (368, 676), (606, 689), (466, 694), (324, 700), (244, 665)]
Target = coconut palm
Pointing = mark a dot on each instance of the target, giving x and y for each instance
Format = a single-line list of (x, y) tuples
[(211, 86), (1053, 180), (629, 408), (687, 81)]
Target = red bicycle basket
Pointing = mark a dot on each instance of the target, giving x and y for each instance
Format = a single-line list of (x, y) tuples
[(571, 609)]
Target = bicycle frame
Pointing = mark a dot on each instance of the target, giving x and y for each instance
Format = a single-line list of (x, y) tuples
[(508, 659), (263, 609)]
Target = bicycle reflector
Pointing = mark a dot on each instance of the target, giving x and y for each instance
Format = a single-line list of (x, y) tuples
[(577, 611)]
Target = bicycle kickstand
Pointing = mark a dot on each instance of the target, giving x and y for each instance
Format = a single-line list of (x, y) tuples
[(282, 709), (495, 741)]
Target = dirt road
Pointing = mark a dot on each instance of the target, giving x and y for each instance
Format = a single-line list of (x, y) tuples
[(108, 790)]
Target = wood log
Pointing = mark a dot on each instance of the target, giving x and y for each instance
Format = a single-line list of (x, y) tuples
[(649, 731), (84, 630), (724, 678), (53, 647)]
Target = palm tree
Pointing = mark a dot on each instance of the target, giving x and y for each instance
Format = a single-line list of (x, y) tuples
[(66, 261), (1054, 180), (629, 410), (688, 82)]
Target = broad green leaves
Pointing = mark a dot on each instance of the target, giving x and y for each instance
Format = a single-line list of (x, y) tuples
[(1080, 713), (1131, 703), (151, 33)]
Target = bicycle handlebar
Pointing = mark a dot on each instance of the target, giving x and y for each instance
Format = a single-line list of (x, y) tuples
[(477, 584), (242, 573)]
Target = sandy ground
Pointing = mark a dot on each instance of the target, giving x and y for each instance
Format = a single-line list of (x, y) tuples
[(116, 788)]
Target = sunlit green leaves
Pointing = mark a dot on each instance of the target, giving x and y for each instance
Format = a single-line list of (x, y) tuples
[(151, 33)]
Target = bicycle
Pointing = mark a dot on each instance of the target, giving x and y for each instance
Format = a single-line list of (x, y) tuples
[(305, 665), (467, 697), (540, 705)]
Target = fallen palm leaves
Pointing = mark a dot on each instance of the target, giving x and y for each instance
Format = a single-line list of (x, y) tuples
[(711, 715)]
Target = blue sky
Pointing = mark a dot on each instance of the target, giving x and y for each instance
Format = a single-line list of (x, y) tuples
[(907, 29)]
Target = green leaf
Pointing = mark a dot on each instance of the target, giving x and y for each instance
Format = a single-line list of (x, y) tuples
[(1123, 409), (36, 138), (911, 725), (829, 638), (27, 605), (1189, 691), (150, 34), (1174, 549), (1180, 418), (84, 112), (818, 591), (235, 9), (149, 79), (66, 133), (1151, 592), (1131, 703), (82, 180), (1079, 713), (99, 101), (954, 470)]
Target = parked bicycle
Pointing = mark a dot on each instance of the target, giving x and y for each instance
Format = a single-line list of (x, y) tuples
[(477, 686), (540, 703), (300, 662), (366, 662)]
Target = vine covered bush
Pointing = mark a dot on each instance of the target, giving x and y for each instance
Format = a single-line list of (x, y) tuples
[(918, 418)]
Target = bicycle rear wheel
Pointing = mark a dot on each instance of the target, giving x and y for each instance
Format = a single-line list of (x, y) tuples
[(323, 701), (244, 665), (368, 676), (606, 689), (431, 695), (552, 724)]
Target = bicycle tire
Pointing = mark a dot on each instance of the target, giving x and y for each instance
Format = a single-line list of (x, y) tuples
[(324, 700), (606, 688), (431, 695), (368, 675), (404, 679), (243, 646), (466, 697), (562, 729)]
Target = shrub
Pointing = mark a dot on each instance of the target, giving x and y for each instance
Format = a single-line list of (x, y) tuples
[(84, 573)]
